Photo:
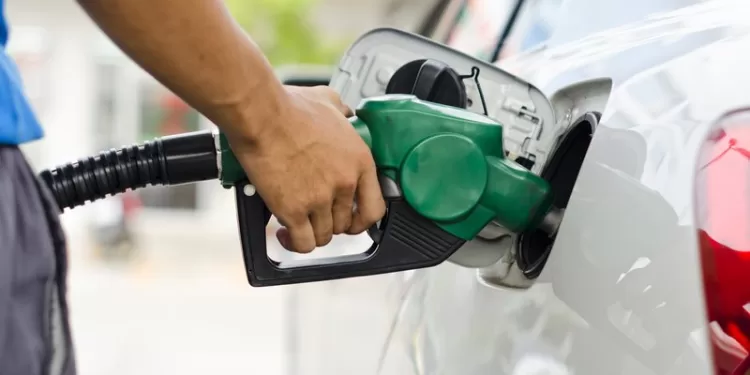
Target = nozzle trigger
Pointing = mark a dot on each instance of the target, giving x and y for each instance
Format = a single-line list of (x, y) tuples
[(403, 240)]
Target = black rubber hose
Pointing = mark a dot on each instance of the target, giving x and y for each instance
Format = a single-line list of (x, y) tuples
[(171, 160)]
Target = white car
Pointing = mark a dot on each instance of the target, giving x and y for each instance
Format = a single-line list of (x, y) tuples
[(638, 114)]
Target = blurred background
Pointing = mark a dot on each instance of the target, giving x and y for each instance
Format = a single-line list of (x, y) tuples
[(157, 280)]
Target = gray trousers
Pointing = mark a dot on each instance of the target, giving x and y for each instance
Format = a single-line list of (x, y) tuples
[(34, 331)]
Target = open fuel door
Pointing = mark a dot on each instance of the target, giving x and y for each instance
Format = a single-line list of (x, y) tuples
[(384, 58)]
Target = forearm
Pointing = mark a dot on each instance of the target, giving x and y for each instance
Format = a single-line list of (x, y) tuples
[(196, 49)]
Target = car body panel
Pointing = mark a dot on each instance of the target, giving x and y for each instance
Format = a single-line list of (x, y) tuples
[(621, 292)]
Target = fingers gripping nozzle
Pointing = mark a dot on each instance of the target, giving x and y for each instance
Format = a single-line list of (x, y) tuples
[(444, 177)]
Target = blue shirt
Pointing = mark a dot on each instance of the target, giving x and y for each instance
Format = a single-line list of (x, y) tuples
[(18, 124)]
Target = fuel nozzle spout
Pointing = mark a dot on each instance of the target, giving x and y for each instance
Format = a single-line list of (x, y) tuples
[(551, 221)]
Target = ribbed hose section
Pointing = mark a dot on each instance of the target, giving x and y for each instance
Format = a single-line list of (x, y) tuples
[(170, 160)]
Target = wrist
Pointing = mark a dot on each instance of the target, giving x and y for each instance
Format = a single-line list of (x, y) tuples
[(248, 120)]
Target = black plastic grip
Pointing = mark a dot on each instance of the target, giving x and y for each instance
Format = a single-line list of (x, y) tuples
[(406, 241), (171, 160)]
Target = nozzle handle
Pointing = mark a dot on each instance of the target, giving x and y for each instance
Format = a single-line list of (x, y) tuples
[(404, 241)]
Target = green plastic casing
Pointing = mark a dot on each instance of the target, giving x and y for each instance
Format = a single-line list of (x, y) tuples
[(231, 171), (449, 163)]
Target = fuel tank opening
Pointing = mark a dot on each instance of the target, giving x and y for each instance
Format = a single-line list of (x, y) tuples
[(561, 172)]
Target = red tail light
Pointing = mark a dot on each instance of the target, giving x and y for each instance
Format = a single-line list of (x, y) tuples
[(723, 221)]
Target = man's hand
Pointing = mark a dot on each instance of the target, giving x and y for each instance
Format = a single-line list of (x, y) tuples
[(309, 165), (306, 160)]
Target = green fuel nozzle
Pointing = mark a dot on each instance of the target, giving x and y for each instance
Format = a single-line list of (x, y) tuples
[(443, 172), (444, 176), (449, 164)]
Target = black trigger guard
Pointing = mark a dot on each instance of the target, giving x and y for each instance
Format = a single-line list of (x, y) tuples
[(407, 241)]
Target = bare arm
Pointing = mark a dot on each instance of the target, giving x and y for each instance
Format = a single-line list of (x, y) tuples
[(197, 50), (295, 144)]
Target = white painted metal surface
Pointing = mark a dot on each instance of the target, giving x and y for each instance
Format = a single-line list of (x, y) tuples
[(621, 292)]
